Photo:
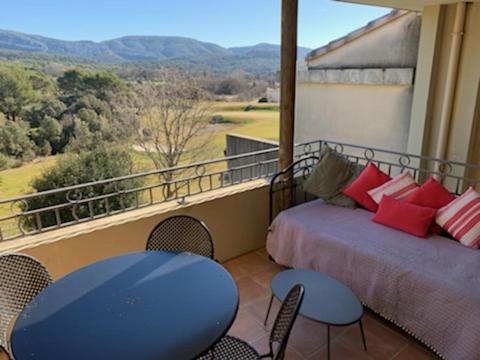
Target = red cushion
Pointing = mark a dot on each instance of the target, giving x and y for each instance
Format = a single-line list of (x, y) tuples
[(401, 215), (431, 194), (370, 178)]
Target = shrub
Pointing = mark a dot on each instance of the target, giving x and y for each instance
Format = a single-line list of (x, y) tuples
[(249, 107), (263, 100), (15, 141), (6, 162), (217, 119), (102, 163)]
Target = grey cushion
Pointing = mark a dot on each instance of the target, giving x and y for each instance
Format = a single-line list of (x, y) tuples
[(330, 176), (343, 200)]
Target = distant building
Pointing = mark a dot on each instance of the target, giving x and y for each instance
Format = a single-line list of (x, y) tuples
[(273, 95), (359, 88)]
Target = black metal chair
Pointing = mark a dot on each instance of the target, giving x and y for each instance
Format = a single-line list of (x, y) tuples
[(229, 347), (182, 233), (21, 278)]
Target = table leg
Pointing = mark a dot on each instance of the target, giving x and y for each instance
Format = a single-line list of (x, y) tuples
[(328, 342), (268, 310), (363, 335)]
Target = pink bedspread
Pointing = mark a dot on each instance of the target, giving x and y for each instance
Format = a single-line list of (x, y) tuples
[(430, 287)]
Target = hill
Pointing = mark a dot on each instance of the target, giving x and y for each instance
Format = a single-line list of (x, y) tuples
[(260, 58)]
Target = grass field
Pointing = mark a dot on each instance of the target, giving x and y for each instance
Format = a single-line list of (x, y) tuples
[(262, 122)]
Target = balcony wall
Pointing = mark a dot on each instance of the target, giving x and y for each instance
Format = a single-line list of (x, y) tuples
[(237, 217)]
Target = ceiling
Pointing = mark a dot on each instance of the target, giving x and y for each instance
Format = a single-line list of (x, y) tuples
[(404, 4)]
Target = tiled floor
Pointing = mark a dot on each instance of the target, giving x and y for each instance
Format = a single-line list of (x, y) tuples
[(253, 273)]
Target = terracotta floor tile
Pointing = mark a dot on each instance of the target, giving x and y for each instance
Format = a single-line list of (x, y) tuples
[(253, 273), (382, 342), (259, 308), (250, 291), (234, 269), (339, 351), (254, 263), (264, 278), (307, 336), (263, 253), (246, 327), (414, 352), (261, 345)]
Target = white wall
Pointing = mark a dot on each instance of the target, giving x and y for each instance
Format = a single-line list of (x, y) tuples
[(393, 45), (371, 115)]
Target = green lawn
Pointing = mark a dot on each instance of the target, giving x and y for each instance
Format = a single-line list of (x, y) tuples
[(262, 121), (16, 181)]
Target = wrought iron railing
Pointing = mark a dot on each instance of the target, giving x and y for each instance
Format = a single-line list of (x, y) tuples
[(456, 176), (48, 210)]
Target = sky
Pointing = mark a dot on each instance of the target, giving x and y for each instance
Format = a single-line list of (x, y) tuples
[(224, 22)]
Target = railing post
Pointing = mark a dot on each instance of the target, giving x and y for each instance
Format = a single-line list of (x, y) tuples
[(287, 91)]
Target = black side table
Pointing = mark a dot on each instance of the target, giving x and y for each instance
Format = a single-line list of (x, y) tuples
[(326, 299)]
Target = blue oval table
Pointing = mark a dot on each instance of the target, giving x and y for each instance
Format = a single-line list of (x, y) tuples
[(326, 299), (142, 306)]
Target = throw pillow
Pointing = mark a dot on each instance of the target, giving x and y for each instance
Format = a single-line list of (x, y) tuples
[(400, 215), (431, 194), (370, 178), (342, 200), (461, 218), (332, 172), (399, 188)]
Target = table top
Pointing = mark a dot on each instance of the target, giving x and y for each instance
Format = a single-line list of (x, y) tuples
[(143, 306), (326, 299)]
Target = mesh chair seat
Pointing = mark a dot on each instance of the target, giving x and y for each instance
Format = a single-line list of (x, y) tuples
[(21, 279), (181, 233), (231, 348)]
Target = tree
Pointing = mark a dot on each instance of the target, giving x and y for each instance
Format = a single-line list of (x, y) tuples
[(16, 91), (73, 169), (47, 136), (171, 117), (229, 86), (99, 83), (15, 141)]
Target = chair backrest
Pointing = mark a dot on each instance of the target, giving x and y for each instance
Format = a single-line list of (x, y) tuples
[(21, 278), (181, 233), (284, 321)]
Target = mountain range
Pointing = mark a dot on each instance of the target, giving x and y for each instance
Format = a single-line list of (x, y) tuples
[(260, 58)]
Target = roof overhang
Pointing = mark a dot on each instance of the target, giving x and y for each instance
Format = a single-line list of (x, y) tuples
[(416, 5)]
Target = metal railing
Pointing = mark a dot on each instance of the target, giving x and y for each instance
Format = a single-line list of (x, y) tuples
[(455, 176), (57, 208), (48, 210)]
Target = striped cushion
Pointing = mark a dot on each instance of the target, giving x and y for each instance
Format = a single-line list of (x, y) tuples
[(398, 188), (461, 218)]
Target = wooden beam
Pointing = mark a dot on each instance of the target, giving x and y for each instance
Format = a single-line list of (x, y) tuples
[(287, 89)]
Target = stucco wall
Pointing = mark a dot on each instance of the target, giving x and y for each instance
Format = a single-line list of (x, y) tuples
[(238, 222), (392, 45), (463, 140), (371, 115)]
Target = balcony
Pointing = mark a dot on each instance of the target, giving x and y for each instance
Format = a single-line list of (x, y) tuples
[(231, 195)]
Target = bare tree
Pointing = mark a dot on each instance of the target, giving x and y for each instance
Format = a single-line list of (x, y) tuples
[(171, 120)]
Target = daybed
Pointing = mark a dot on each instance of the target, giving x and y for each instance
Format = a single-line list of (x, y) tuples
[(429, 287)]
